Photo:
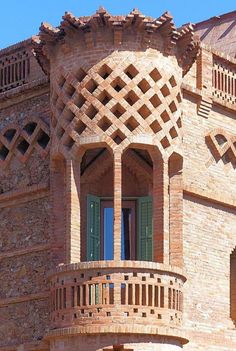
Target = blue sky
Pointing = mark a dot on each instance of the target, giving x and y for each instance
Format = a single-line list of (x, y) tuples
[(20, 19)]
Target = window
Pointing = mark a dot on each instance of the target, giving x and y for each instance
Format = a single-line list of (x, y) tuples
[(136, 229)]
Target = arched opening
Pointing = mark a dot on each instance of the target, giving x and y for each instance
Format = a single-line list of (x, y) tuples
[(96, 195), (233, 286), (137, 205)]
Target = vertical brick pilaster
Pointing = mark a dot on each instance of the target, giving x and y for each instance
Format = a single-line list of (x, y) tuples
[(176, 210), (159, 209), (73, 211), (58, 210), (205, 71), (117, 205)]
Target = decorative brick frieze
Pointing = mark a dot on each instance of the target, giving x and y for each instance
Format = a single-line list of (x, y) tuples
[(20, 142), (222, 145)]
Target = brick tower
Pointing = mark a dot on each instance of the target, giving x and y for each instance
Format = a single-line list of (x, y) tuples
[(113, 147)]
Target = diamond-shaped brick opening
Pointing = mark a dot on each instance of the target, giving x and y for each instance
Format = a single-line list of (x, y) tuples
[(155, 75), (144, 111), (172, 81), (155, 127), (179, 99), (69, 115), (80, 74), (227, 157), (131, 123), (173, 133), (173, 107), (9, 134), (3, 152), (118, 110), (131, 98), (179, 123), (23, 146), (79, 100), (165, 117), (131, 71), (60, 106), (165, 90), (43, 139), (118, 84), (144, 86), (91, 112), (155, 101), (61, 81), (104, 71), (221, 140), (69, 142), (91, 86), (118, 137), (104, 123), (104, 97), (165, 142), (60, 132), (80, 127), (69, 89), (30, 128)]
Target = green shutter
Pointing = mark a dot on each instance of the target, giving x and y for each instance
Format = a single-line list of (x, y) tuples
[(145, 229), (93, 228)]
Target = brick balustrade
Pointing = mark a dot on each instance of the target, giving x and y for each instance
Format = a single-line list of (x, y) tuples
[(104, 293)]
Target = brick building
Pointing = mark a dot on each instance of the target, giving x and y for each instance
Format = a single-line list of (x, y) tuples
[(117, 195)]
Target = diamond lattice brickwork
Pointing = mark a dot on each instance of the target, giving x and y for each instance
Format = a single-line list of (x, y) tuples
[(21, 142), (115, 102)]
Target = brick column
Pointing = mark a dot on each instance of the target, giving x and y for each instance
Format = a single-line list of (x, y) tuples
[(117, 205), (176, 210), (73, 251), (160, 189), (205, 71), (58, 210)]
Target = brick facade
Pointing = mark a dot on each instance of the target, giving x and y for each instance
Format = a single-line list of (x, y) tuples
[(121, 108)]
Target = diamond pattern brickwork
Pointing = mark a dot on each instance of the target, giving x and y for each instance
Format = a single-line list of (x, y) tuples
[(222, 146), (20, 142), (115, 102)]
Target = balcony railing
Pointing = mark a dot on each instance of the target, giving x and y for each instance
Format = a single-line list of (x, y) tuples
[(101, 293)]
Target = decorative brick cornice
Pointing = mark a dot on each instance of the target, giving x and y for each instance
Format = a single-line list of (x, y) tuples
[(182, 38)]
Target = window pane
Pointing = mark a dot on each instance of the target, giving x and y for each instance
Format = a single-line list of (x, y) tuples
[(108, 233)]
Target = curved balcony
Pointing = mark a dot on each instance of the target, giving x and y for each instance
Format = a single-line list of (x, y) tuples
[(108, 297)]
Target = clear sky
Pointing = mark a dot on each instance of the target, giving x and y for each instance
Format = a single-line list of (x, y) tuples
[(20, 19)]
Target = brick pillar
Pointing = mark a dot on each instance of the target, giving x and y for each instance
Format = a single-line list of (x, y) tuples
[(73, 211), (160, 189), (233, 286), (117, 205), (58, 209), (176, 210), (205, 71)]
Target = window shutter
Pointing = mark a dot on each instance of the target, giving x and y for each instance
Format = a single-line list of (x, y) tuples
[(145, 229), (93, 228)]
